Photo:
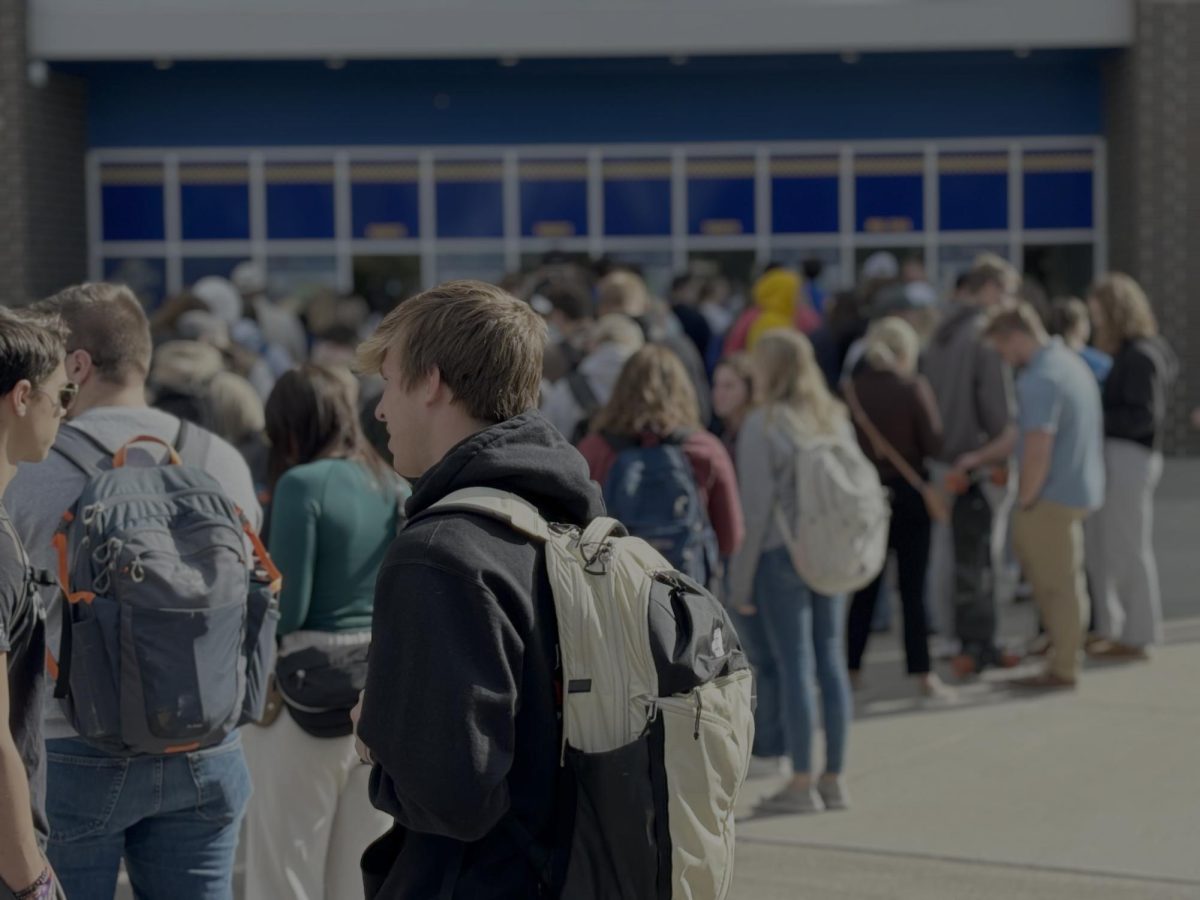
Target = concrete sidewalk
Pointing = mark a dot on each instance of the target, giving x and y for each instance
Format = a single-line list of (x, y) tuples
[(1090, 794)]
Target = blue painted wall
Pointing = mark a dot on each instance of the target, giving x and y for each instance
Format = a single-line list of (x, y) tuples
[(567, 101)]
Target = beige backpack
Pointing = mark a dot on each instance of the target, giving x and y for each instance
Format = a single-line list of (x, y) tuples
[(657, 713)]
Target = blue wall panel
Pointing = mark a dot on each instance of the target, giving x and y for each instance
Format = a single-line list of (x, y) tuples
[(974, 202), (553, 208), (385, 210), (297, 211), (214, 212), (467, 209), (804, 205), (475, 102), (1058, 200), (720, 205), (889, 199), (132, 212), (637, 207)]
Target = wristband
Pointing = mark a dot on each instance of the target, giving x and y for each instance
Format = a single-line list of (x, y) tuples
[(41, 889)]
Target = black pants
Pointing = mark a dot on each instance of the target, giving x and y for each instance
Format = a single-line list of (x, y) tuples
[(909, 538)]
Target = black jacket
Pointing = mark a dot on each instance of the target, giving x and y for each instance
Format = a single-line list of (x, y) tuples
[(1136, 391), (460, 711)]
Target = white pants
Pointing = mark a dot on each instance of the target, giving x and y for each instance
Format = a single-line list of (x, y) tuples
[(309, 819), (939, 582), (1122, 570)]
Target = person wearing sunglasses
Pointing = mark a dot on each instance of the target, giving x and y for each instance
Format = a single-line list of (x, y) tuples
[(34, 397), (187, 806)]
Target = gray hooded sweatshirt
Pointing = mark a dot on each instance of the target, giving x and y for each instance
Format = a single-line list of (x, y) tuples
[(973, 385)]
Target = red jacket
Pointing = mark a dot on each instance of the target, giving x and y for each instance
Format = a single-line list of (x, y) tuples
[(715, 479), (807, 321)]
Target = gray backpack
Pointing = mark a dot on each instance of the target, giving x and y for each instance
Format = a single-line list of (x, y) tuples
[(168, 624)]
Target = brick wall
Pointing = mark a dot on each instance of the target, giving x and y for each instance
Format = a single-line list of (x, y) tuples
[(56, 143), (1153, 98), (43, 229), (13, 196)]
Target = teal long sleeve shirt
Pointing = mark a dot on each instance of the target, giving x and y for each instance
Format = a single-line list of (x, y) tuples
[(331, 523)]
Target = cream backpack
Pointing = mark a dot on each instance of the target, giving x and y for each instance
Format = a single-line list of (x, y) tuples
[(657, 713), (839, 542)]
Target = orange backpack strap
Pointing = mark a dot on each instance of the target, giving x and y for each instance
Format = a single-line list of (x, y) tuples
[(260, 551), (121, 456), (62, 674), (59, 542)]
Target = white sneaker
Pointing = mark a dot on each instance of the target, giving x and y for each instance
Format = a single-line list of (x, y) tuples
[(767, 767), (833, 793), (937, 690), (793, 801)]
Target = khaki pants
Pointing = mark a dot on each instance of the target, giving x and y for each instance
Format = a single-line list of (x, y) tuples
[(1048, 540)]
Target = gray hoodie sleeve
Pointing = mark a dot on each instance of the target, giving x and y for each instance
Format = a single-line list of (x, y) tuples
[(995, 396), (756, 482)]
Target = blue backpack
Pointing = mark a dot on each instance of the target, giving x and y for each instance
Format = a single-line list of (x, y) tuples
[(168, 619), (651, 489)]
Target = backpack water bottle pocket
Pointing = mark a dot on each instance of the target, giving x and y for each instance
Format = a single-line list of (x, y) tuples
[(186, 668), (708, 733), (94, 707), (615, 844), (262, 620)]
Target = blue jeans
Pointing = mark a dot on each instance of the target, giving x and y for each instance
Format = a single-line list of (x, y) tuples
[(174, 819), (795, 633)]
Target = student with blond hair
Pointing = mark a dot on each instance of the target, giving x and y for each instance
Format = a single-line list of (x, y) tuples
[(899, 428), (1061, 479), (1125, 574), (575, 398), (791, 633), (623, 291)]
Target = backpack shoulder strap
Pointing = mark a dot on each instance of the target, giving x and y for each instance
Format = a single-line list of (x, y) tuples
[(883, 447), (521, 515), (81, 449), (518, 513), (192, 443), (581, 390)]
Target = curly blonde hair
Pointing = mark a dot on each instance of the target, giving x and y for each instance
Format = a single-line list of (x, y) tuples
[(653, 394), (788, 382), (1125, 312)]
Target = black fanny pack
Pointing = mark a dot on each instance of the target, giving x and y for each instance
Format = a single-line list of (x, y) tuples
[(320, 685)]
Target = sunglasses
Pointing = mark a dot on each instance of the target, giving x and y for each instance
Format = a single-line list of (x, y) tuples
[(66, 396)]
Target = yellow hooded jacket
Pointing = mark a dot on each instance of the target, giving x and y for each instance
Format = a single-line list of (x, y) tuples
[(776, 295)]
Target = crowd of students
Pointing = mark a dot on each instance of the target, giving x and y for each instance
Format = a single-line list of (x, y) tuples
[(425, 644)]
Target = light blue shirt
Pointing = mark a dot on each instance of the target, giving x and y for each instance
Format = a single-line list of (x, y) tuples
[(1058, 393), (1098, 361)]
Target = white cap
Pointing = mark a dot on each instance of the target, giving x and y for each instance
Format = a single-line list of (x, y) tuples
[(220, 296), (249, 278), (880, 266)]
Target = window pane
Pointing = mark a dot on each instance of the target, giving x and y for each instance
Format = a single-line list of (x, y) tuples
[(146, 277)]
